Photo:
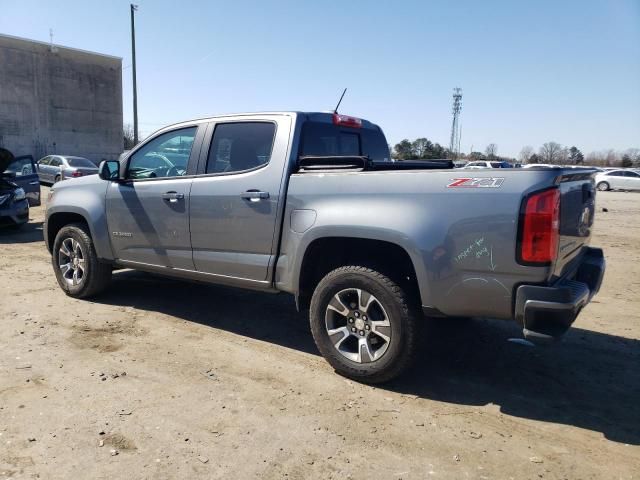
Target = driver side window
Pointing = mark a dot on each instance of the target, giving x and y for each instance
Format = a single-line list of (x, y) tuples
[(165, 156)]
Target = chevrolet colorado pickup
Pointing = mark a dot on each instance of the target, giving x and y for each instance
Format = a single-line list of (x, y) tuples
[(310, 204)]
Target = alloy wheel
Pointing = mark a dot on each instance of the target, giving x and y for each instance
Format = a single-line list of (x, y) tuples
[(71, 261), (358, 325)]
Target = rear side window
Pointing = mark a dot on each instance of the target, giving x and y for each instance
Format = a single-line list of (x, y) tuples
[(240, 146), (80, 162), (326, 139), (55, 162)]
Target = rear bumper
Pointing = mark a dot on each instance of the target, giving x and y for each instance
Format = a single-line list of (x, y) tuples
[(546, 313)]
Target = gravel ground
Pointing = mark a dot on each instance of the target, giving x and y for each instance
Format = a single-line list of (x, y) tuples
[(161, 379)]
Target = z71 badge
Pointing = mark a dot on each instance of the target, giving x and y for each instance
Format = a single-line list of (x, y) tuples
[(476, 182)]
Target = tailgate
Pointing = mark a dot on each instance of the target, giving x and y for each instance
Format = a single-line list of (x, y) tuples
[(577, 209)]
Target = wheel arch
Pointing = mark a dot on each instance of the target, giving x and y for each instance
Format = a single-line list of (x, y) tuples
[(57, 219), (324, 254)]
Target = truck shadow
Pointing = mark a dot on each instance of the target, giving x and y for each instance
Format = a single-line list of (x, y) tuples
[(591, 380), (29, 233)]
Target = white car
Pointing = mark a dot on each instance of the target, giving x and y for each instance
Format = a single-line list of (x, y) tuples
[(535, 165), (618, 180), (487, 164)]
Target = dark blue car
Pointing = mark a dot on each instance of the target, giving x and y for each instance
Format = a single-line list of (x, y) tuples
[(19, 188)]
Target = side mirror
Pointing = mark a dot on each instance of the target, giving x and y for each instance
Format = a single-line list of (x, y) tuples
[(109, 170)]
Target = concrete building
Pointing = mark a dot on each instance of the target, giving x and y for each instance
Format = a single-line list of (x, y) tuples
[(60, 100)]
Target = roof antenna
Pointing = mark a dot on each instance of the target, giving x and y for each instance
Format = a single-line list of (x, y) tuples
[(340, 101)]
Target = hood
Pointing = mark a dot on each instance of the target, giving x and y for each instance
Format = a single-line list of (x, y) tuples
[(6, 157)]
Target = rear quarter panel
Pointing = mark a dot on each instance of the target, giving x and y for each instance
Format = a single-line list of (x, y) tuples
[(461, 241)]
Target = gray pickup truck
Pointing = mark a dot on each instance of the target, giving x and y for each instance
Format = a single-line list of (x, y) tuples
[(311, 204)]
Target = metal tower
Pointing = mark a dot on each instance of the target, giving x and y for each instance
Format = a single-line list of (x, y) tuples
[(454, 144)]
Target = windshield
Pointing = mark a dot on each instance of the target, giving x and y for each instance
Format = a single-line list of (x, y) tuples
[(326, 139), (80, 162)]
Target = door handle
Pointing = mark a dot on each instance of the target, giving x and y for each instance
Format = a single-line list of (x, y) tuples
[(34, 183), (173, 197), (254, 195)]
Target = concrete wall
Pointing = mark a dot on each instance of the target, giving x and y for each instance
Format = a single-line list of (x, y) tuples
[(59, 100)]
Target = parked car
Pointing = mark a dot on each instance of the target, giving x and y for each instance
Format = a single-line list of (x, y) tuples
[(53, 168), (309, 204), (618, 180), (19, 188), (487, 164), (539, 165)]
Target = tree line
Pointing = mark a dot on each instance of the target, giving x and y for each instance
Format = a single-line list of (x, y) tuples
[(549, 152)]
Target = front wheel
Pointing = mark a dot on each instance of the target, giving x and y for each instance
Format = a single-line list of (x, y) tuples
[(603, 186), (78, 270), (364, 324)]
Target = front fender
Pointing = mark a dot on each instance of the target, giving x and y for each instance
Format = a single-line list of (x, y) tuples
[(87, 203)]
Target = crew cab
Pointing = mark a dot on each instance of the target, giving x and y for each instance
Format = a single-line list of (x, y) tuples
[(311, 205)]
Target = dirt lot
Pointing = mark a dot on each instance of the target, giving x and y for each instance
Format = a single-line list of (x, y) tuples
[(222, 383)]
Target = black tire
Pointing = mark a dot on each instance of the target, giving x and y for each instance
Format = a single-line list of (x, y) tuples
[(96, 274), (603, 186), (57, 179), (398, 307)]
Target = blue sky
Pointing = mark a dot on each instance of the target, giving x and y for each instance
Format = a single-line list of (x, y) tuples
[(531, 72)]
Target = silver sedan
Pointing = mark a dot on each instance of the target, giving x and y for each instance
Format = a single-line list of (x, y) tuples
[(53, 168), (618, 180)]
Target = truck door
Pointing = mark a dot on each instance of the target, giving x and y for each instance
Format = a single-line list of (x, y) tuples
[(148, 212), (236, 197)]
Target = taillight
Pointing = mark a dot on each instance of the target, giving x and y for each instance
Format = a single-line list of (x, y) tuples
[(76, 174), (540, 227), (346, 121)]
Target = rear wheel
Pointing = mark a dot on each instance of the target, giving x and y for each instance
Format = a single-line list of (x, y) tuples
[(78, 271), (364, 324), (57, 179), (603, 186)]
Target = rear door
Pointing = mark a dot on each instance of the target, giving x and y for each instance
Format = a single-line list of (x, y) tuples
[(616, 179), (235, 199), (148, 212), (26, 177)]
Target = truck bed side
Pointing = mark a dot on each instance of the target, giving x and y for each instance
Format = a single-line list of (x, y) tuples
[(461, 241)]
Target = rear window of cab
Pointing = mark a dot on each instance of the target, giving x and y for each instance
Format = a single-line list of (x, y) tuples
[(326, 139)]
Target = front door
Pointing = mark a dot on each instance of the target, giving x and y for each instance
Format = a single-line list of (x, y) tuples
[(26, 177), (44, 170), (54, 169), (148, 212), (236, 197)]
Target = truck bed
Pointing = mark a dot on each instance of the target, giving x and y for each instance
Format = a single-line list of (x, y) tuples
[(459, 227)]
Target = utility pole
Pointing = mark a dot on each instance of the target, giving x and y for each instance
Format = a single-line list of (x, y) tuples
[(133, 64)]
